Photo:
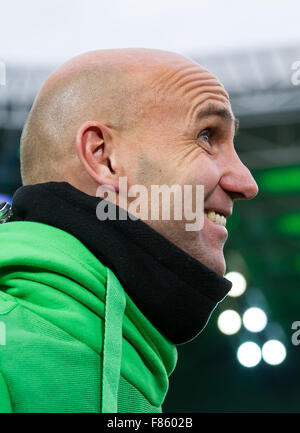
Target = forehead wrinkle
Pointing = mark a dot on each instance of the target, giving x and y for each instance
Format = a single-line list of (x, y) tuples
[(172, 80), (192, 80), (208, 85), (207, 95), (188, 81)]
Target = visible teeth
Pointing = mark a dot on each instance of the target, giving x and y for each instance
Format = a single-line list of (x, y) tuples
[(212, 215), (216, 217)]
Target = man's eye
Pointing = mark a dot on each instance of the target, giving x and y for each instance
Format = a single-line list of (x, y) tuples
[(204, 135)]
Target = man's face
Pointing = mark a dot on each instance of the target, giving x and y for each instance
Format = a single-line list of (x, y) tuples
[(186, 138)]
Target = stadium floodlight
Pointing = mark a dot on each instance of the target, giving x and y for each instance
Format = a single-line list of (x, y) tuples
[(255, 319), (273, 352), (229, 322), (239, 283), (249, 354)]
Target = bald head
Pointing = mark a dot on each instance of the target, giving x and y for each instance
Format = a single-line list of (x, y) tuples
[(114, 87)]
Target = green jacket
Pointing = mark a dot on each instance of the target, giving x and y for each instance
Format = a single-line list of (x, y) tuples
[(70, 338)]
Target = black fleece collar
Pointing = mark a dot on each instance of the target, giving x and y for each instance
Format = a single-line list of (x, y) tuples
[(172, 289)]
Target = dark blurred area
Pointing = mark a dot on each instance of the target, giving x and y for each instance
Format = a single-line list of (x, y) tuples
[(264, 234)]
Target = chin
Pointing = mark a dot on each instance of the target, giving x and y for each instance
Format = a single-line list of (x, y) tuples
[(217, 265), (221, 269)]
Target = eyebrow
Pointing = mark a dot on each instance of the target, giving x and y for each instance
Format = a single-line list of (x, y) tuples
[(220, 112)]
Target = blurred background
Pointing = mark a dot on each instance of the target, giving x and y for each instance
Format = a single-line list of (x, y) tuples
[(246, 359)]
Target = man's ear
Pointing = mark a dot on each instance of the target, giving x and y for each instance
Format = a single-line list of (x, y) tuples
[(94, 146)]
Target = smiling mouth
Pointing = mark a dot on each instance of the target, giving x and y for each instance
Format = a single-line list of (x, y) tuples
[(216, 217)]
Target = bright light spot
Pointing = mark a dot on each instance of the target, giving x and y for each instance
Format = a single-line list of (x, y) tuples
[(229, 322), (239, 284), (255, 319), (249, 354), (273, 352), (5, 197)]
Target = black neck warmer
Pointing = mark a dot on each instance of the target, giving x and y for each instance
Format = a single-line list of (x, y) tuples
[(172, 289)]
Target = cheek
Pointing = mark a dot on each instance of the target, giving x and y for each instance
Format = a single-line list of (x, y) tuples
[(205, 173), (128, 163)]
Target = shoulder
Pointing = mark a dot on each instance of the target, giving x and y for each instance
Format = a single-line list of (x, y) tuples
[(48, 247)]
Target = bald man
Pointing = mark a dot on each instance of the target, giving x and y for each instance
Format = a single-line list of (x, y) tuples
[(94, 306)]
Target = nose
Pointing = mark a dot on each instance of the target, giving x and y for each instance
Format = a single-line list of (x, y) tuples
[(237, 179)]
